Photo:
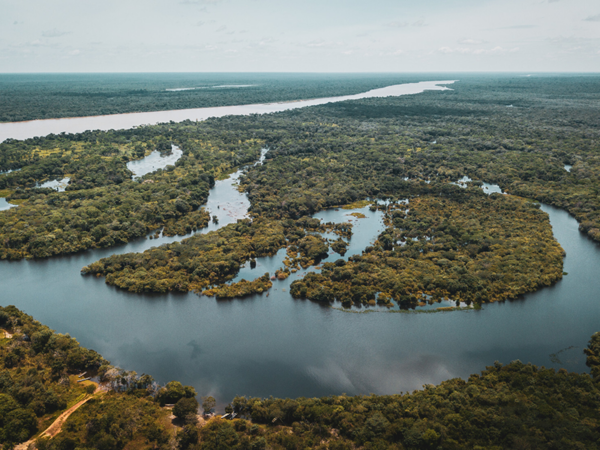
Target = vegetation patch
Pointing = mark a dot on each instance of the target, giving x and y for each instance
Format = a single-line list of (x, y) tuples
[(357, 215), (194, 263), (242, 288), (102, 206), (471, 248)]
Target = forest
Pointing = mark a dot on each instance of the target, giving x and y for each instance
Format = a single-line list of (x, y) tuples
[(536, 138), (516, 405), (204, 262), (49, 96), (470, 248), (102, 206)]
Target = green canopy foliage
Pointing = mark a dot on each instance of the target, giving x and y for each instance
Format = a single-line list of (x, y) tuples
[(102, 206), (469, 248)]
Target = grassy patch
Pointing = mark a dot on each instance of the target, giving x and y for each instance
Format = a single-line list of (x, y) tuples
[(357, 204), (357, 215)]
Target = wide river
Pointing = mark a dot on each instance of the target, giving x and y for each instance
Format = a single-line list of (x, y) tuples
[(32, 128), (275, 345)]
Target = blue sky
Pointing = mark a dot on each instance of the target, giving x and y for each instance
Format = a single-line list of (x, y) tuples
[(292, 36)]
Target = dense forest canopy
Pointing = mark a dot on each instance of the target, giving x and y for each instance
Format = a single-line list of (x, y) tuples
[(47, 96), (439, 241), (518, 132), (102, 206), (471, 248), (515, 405)]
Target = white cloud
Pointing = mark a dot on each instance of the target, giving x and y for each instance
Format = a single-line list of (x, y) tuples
[(398, 24), (316, 44), (54, 33), (471, 41), (310, 36), (476, 51), (394, 53), (199, 2), (518, 27)]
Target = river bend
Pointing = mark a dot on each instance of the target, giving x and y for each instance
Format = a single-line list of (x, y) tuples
[(275, 345)]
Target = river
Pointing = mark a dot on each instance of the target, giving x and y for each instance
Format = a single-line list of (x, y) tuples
[(32, 128), (276, 345)]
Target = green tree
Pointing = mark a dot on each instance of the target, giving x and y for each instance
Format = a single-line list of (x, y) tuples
[(188, 437), (186, 409), (218, 435), (208, 403)]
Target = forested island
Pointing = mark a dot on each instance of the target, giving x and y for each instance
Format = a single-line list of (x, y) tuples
[(516, 405), (450, 242)]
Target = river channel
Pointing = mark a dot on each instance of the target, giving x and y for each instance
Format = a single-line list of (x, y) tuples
[(32, 128), (276, 345)]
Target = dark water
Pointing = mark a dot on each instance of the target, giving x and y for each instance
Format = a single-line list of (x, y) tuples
[(279, 346)]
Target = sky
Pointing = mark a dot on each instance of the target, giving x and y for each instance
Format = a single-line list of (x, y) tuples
[(299, 36)]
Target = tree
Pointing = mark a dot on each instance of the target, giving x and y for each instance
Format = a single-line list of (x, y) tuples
[(187, 438), (186, 409), (174, 391), (218, 435), (208, 403)]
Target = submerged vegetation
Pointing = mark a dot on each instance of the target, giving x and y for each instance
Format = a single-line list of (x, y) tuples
[(211, 259), (507, 406)]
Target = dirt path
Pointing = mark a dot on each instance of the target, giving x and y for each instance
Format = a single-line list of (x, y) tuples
[(56, 426), (7, 334)]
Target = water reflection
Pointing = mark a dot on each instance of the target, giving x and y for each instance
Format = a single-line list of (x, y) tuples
[(278, 346), (275, 345)]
